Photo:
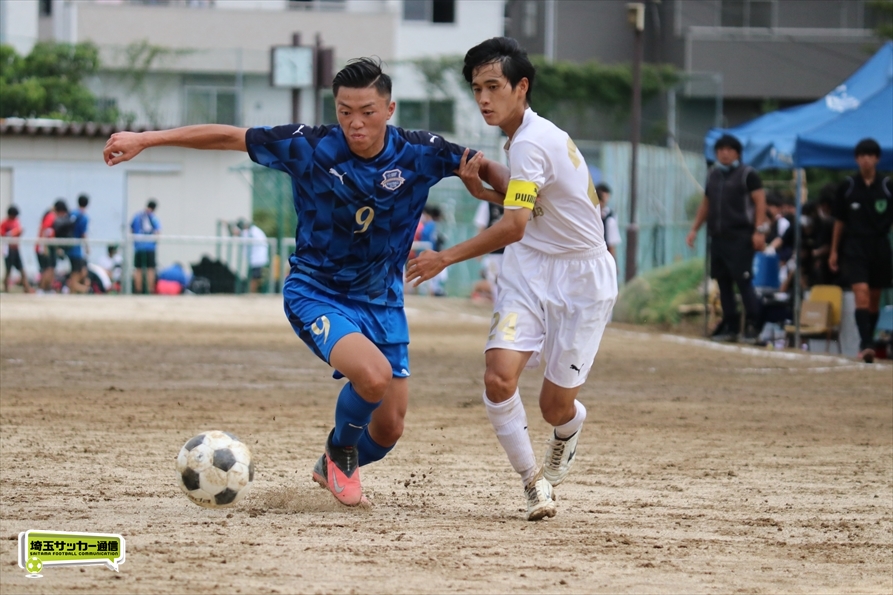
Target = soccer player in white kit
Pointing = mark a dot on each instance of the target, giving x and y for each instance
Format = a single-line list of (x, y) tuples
[(558, 282)]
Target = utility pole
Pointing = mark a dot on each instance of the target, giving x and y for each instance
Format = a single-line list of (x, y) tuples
[(295, 92), (636, 15)]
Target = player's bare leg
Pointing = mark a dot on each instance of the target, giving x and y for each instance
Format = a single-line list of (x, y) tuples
[(868, 302), (509, 420), (369, 373), (561, 409), (386, 426)]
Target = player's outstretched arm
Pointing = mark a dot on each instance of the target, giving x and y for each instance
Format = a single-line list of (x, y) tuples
[(506, 231), (124, 146)]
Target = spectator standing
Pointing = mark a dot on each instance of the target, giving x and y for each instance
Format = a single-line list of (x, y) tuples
[(77, 255), (11, 227), (486, 216), (145, 223), (257, 253), (863, 210), (734, 208), (46, 254), (823, 231), (609, 221)]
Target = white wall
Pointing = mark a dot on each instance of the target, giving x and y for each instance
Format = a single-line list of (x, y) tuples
[(476, 21), (18, 24), (193, 188)]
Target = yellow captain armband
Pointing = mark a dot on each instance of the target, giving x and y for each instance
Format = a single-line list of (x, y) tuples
[(520, 194)]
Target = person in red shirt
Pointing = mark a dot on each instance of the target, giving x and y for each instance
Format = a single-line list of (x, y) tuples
[(12, 227)]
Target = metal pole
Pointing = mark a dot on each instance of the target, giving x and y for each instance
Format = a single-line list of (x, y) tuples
[(632, 232), (797, 262), (296, 93), (549, 33), (707, 285)]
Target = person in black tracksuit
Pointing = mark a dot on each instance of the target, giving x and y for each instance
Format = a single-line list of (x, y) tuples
[(734, 208), (860, 248)]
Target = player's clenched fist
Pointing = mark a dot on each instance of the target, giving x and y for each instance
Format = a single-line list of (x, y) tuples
[(123, 146)]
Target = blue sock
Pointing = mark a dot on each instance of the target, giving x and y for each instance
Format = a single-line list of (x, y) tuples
[(352, 414), (370, 450)]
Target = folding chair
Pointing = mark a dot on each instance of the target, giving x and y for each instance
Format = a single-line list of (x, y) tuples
[(820, 316)]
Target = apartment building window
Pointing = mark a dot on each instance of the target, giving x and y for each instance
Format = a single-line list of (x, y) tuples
[(528, 22), (747, 13), (434, 115), (432, 11), (45, 8), (211, 105)]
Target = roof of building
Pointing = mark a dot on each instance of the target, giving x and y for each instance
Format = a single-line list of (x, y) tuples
[(48, 127)]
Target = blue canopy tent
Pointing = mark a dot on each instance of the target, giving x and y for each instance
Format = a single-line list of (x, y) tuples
[(822, 133)]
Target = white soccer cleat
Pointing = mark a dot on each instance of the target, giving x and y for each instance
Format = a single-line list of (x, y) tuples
[(559, 457), (539, 498)]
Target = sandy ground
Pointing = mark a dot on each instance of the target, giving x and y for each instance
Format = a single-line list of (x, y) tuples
[(700, 469)]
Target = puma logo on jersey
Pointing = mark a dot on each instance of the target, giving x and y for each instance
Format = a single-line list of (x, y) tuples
[(298, 131), (433, 138), (337, 175), (573, 367)]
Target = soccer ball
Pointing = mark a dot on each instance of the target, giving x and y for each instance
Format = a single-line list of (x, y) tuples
[(34, 565), (215, 469)]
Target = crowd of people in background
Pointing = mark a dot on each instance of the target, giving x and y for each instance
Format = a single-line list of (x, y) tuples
[(69, 268), (844, 240)]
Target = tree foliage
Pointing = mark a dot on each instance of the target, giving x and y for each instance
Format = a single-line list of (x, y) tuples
[(48, 83), (559, 85), (883, 10)]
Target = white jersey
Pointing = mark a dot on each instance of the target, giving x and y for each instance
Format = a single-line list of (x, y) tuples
[(544, 161)]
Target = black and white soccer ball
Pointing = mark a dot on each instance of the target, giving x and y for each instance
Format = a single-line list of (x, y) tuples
[(214, 469)]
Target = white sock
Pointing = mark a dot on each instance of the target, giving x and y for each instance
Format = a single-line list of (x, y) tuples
[(567, 430), (510, 422)]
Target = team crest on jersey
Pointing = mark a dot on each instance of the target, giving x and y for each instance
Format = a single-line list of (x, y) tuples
[(392, 179), (880, 206)]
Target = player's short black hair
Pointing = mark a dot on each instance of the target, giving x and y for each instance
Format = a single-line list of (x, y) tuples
[(12, 212), (868, 146), (83, 201), (728, 141), (151, 204), (508, 54), (773, 198), (59, 206), (361, 73), (602, 187)]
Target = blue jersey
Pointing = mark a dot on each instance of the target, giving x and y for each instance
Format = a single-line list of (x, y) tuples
[(144, 223), (81, 222), (356, 217)]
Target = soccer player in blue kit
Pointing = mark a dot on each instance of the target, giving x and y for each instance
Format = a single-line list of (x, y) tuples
[(359, 190)]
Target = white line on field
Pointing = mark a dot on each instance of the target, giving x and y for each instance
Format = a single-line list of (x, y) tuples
[(836, 362)]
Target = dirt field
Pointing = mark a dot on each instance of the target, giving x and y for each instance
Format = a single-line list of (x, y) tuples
[(700, 469)]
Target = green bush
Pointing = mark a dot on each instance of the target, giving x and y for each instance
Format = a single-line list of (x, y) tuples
[(654, 297)]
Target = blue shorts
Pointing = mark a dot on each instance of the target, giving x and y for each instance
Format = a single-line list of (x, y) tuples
[(321, 319)]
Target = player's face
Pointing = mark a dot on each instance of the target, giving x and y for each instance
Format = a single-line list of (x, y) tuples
[(500, 104), (363, 115)]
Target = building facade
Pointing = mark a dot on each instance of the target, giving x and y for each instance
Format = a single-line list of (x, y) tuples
[(752, 55)]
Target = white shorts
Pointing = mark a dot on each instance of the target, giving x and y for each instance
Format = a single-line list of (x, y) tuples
[(557, 306)]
